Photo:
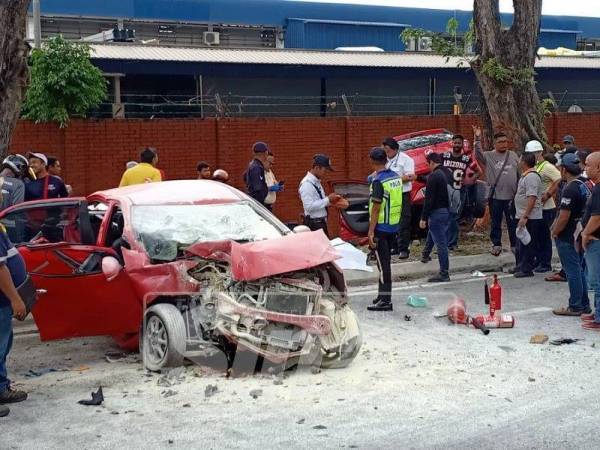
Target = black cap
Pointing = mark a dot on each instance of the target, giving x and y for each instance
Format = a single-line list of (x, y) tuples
[(570, 160), (322, 161), (378, 154), (434, 157), (391, 143), (260, 147)]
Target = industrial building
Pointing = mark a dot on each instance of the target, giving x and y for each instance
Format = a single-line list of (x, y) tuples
[(261, 57)]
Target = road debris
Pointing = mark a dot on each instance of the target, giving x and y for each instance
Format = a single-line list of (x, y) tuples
[(210, 390), (506, 348), (531, 379), (255, 393), (301, 421), (538, 339), (172, 378), (478, 274), (168, 393), (564, 341), (417, 301), (114, 356), (97, 398), (407, 318), (319, 427)]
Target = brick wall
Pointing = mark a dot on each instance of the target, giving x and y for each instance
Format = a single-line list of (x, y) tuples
[(94, 153)]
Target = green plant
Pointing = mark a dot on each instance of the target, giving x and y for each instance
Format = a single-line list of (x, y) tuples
[(64, 82)]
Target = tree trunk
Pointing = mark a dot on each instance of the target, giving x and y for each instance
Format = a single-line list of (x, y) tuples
[(513, 108), (13, 66)]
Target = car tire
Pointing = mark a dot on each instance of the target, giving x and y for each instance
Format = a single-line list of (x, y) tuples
[(163, 337)]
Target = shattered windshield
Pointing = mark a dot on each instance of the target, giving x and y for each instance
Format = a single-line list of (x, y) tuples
[(184, 225)]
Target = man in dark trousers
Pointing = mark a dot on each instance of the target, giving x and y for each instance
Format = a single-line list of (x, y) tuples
[(457, 164), (501, 167), (385, 210), (436, 214), (256, 183), (528, 211), (312, 194), (572, 205)]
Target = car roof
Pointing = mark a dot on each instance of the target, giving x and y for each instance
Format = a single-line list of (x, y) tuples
[(174, 192)]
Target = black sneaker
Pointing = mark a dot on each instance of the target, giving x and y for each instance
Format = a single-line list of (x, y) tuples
[(439, 279), (4, 411), (425, 259), (381, 306), (376, 300), (523, 274), (11, 396), (403, 255)]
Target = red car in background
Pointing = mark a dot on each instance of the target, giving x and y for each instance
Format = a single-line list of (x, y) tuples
[(354, 221), (182, 267)]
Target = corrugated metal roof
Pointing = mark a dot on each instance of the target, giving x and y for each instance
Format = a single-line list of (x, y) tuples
[(304, 57)]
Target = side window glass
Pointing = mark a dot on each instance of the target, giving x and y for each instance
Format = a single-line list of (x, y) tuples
[(96, 212), (44, 224)]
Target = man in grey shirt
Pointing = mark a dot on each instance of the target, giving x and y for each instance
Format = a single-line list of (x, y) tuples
[(528, 207), (501, 167)]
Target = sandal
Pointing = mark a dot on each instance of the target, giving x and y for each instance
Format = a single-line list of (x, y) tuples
[(555, 277), (496, 250)]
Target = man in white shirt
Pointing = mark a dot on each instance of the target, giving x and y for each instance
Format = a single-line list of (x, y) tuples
[(312, 194), (404, 166)]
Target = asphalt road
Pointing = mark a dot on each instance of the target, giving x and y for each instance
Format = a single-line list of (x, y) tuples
[(416, 384)]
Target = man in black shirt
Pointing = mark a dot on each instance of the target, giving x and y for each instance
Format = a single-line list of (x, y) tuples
[(564, 231), (254, 177), (591, 239), (436, 214), (45, 185), (457, 164)]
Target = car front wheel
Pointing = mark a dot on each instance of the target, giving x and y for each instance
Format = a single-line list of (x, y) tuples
[(163, 337)]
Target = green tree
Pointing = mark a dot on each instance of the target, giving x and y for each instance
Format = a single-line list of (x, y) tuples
[(503, 64), (64, 82)]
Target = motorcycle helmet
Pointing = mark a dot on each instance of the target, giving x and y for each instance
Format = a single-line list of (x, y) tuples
[(18, 165)]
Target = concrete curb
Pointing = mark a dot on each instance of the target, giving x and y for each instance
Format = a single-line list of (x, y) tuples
[(416, 269)]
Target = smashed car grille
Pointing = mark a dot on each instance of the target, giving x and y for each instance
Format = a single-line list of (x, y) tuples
[(286, 298)]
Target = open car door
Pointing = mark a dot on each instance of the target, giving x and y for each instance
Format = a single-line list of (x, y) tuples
[(59, 247), (354, 221)]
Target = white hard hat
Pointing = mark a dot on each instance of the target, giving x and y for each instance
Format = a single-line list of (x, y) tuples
[(534, 147)]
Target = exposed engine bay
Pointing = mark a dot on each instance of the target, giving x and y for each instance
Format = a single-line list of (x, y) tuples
[(289, 316)]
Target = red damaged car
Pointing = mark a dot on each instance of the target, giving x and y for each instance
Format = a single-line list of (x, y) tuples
[(181, 267), (354, 221)]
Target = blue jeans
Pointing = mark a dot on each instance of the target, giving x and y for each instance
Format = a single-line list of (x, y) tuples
[(438, 236), (592, 259), (499, 209), (545, 241), (573, 264), (6, 339), (453, 230)]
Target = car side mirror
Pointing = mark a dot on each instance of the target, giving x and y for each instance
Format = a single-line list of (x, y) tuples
[(111, 267), (301, 229)]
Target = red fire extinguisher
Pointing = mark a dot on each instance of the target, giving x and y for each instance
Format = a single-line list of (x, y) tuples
[(495, 296)]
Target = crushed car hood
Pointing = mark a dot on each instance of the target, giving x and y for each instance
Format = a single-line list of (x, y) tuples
[(270, 257)]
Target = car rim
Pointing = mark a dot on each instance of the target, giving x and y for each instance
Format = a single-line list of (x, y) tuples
[(156, 339)]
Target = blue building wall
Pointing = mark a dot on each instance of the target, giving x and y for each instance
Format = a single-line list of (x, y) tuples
[(301, 33), (277, 12)]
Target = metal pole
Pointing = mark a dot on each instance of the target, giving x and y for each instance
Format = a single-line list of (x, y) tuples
[(37, 24), (201, 96)]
